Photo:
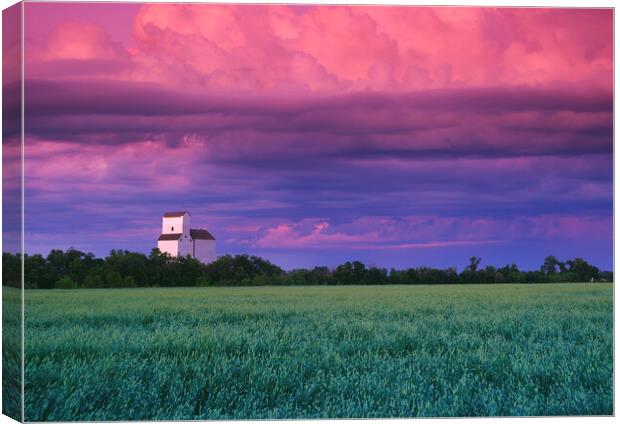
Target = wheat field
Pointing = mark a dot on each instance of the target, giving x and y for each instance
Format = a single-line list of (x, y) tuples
[(322, 352)]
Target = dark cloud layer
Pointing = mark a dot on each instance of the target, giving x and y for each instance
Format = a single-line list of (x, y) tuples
[(438, 123)]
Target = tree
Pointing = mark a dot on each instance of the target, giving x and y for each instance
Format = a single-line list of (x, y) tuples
[(473, 263), (348, 273), (134, 265), (114, 279), (377, 276), (35, 273), (230, 270), (128, 281), (93, 281), (582, 269), (550, 265), (65, 282), (320, 275), (11, 270), (73, 269), (203, 281), (563, 267), (56, 264)]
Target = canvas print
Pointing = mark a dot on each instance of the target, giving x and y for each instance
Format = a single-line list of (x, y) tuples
[(227, 211)]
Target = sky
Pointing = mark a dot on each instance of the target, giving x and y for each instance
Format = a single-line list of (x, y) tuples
[(399, 136)]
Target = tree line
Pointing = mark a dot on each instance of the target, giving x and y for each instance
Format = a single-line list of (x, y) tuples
[(121, 268)]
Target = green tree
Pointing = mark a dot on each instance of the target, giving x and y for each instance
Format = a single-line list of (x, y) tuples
[(35, 272), (11, 270), (550, 266), (114, 279), (473, 263), (65, 282), (93, 281), (204, 281), (231, 270), (344, 274), (129, 281), (377, 276), (583, 270)]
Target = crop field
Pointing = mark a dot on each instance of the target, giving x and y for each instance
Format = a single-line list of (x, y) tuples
[(302, 352)]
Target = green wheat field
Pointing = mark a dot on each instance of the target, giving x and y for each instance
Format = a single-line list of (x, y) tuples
[(302, 352)]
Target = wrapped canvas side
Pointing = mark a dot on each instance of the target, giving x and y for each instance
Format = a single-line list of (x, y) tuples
[(12, 213)]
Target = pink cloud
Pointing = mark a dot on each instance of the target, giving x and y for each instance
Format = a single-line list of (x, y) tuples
[(289, 236), (11, 43), (52, 166), (428, 245), (421, 232), (350, 48), (384, 48), (79, 40), (11, 164)]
